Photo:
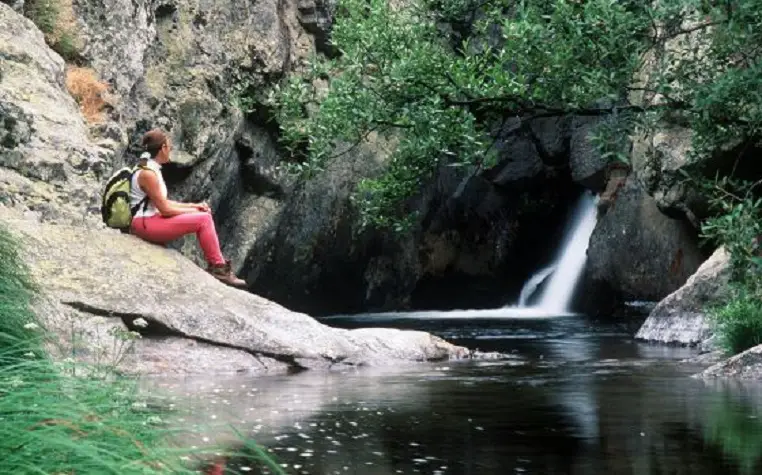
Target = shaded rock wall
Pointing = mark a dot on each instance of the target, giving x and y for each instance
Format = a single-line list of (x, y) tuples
[(181, 66), (637, 251)]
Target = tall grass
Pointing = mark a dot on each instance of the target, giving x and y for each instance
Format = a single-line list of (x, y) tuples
[(53, 423), (738, 321), (16, 291)]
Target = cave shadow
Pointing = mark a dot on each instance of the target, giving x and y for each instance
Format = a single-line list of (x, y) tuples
[(528, 222)]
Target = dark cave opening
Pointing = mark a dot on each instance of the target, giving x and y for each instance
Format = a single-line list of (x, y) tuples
[(535, 213)]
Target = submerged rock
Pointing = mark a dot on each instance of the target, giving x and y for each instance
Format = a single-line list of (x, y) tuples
[(88, 273), (745, 365), (680, 317)]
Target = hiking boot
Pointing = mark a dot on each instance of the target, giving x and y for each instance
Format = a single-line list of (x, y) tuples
[(224, 273)]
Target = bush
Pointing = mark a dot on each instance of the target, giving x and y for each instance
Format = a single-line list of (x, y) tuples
[(55, 18), (88, 91), (738, 322), (737, 225)]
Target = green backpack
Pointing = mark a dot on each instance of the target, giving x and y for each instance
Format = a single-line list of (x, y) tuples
[(115, 200)]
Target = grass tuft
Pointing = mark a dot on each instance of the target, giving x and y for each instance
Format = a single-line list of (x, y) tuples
[(56, 20), (55, 423), (738, 321)]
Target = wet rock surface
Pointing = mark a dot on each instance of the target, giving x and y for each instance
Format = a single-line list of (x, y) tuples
[(745, 365), (681, 316)]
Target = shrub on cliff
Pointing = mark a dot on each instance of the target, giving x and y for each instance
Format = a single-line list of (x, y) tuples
[(89, 92), (55, 18), (442, 77)]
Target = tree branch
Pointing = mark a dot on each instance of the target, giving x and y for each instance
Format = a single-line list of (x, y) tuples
[(689, 30)]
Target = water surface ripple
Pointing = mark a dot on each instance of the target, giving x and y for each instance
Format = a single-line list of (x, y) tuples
[(575, 397)]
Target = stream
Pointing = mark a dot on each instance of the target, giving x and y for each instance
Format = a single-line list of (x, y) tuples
[(574, 396)]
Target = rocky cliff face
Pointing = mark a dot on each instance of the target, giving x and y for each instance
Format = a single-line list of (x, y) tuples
[(47, 161), (99, 284), (184, 67)]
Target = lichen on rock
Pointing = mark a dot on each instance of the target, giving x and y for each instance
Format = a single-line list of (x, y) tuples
[(47, 156)]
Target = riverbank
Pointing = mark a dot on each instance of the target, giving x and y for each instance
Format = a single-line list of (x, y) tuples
[(68, 417)]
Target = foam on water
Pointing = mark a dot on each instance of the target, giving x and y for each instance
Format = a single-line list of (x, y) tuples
[(508, 313)]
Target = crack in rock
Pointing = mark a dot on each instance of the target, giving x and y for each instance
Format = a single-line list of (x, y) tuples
[(159, 329)]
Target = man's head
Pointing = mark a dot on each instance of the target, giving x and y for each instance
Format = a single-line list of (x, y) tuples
[(157, 144)]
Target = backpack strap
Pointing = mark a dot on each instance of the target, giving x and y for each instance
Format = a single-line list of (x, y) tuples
[(144, 201)]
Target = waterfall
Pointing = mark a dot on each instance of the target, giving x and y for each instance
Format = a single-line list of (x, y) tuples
[(565, 272), (561, 277), (533, 283)]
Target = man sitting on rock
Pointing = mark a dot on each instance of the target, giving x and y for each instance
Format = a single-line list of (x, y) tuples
[(160, 220)]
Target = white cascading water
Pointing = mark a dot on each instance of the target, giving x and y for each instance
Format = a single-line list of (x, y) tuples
[(557, 295), (531, 285)]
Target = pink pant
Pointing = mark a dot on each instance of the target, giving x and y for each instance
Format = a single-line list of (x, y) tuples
[(161, 230)]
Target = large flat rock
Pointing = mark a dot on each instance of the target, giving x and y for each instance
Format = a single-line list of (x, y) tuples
[(110, 278)]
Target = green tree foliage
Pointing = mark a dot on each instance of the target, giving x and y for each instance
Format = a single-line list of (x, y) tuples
[(440, 77)]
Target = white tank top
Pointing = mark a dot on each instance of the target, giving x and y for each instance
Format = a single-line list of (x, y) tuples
[(137, 195)]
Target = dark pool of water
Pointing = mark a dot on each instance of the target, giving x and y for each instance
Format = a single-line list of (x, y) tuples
[(574, 397)]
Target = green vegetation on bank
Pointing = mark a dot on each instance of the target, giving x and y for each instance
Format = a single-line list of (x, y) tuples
[(738, 226), (441, 78), (53, 422)]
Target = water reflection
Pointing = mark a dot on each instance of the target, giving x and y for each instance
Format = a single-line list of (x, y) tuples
[(733, 423), (568, 401)]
